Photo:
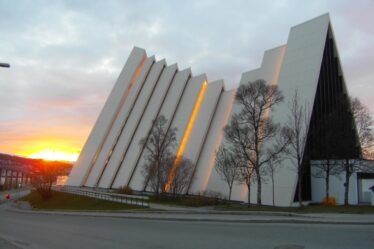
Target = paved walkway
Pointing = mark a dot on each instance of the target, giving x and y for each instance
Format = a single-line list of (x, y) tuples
[(216, 216), (14, 194), (176, 213)]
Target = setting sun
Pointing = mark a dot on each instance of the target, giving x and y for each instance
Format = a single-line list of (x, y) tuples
[(53, 155)]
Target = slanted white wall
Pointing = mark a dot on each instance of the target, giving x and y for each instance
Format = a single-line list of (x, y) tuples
[(206, 161), (106, 118), (136, 113), (168, 109), (269, 71), (145, 124), (106, 151), (201, 124), (185, 108), (299, 70)]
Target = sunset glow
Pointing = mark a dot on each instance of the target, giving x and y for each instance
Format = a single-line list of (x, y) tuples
[(49, 154)]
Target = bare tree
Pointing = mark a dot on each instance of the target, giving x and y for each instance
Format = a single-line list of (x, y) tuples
[(364, 126), (277, 152), (44, 174), (272, 168), (182, 175), (348, 146), (327, 150), (157, 149), (228, 167), (298, 132), (251, 130), (350, 166), (324, 169)]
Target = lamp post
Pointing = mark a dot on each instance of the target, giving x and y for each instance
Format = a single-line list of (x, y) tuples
[(4, 64)]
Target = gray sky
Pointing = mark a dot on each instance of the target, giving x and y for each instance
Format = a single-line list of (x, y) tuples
[(66, 55)]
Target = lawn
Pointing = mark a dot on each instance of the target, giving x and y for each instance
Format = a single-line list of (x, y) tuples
[(220, 205), (187, 201), (65, 201)]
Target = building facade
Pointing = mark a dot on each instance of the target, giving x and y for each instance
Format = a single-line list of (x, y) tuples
[(112, 158)]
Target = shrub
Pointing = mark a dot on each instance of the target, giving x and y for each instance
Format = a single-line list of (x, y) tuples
[(127, 190)]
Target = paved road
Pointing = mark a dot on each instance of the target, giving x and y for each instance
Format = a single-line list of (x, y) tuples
[(27, 230)]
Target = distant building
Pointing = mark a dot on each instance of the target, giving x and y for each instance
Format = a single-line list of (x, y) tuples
[(146, 88)]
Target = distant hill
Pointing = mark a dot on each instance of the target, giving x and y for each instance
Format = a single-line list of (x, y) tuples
[(27, 164)]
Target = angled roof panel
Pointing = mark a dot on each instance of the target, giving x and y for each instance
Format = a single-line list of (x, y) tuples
[(108, 114), (145, 124), (168, 109), (136, 113), (112, 138), (206, 161)]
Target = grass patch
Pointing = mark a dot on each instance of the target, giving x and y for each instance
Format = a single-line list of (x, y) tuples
[(66, 201), (188, 201), (357, 209)]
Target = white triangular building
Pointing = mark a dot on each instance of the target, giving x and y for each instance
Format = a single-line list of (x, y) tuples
[(112, 158)]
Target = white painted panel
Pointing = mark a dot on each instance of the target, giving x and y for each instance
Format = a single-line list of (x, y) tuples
[(106, 118), (114, 133), (168, 109), (202, 120), (215, 183), (202, 123), (186, 105), (144, 127), (206, 161), (269, 71), (300, 70), (135, 115)]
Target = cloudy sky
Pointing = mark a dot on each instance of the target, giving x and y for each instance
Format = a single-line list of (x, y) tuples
[(66, 55)]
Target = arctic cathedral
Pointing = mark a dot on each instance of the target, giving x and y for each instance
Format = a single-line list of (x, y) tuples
[(112, 158)]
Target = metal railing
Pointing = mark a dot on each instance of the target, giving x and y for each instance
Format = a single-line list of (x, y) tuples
[(113, 197)]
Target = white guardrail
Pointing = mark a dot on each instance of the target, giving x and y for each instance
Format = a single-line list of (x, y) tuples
[(121, 198)]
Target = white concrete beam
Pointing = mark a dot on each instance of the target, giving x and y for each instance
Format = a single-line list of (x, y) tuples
[(108, 114), (136, 114), (168, 109), (100, 163), (143, 129), (206, 161)]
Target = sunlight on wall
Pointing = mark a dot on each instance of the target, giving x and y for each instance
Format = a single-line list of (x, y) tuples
[(186, 134)]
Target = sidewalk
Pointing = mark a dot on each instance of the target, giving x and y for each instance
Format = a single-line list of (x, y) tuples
[(218, 216), (14, 194)]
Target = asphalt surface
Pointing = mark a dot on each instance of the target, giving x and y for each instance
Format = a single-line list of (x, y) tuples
[(48, 231), (20, 229)]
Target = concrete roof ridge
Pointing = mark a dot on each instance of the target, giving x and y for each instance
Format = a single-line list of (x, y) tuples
[(325, 15)]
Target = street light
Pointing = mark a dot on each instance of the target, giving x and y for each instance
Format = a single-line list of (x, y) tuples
[(4, 65)]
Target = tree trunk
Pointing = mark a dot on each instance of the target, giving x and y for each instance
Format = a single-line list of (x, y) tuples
[(230, 189), (300, 190), (249, 194), (327, 182), (158, 181), (259, 202), (272, 183), (346, 184)]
